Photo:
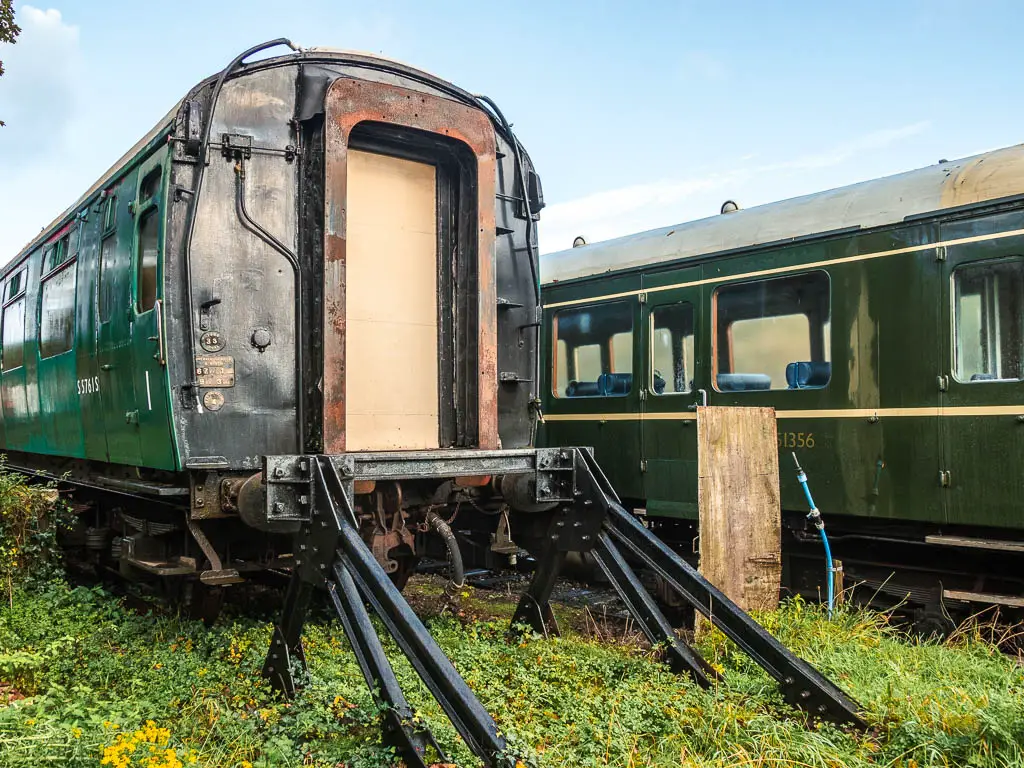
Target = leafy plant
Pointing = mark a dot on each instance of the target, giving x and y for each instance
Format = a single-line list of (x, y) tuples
[(9, 31), (90, 674), (31, 515)]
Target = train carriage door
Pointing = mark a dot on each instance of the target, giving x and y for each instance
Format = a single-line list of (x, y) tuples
[(151, 414), (674, 382), (983, 376), (56, 374), (116, 384), (595, 380)]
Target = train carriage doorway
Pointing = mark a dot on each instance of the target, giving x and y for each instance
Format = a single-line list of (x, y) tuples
[(983, 395), (596, 382), (391, 309), (113, 348), (674, 382), (151, 414)]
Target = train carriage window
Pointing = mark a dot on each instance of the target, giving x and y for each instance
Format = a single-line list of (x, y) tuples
[(109, 214), (988, 321), (150, 185), (773, 334), (108, 277), (14, 322), (57, 312), (593, 351), (15, 285), (147, 257), (672, 349), (57, 254)]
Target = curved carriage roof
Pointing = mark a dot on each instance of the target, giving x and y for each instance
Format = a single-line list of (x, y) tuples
[(330, 55), (889, 200)]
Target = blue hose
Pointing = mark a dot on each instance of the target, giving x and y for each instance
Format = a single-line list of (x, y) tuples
[(815, 517)]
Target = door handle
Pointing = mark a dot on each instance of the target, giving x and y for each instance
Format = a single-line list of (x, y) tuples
[(106, 367), (159, 339)]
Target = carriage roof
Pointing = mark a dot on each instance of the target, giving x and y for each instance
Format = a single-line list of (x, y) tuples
[(985, 177)]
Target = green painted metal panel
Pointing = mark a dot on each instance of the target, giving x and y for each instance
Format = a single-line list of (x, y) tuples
[(984, 450), (113, 341), (873, 439), (616, 439), (86, 329), (18, 412), (670, 443), (152, 389)]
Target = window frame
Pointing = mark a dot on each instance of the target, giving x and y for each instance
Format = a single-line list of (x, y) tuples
[(651, 331), (954, 317), (46, 278), (21, 272), (109, 224), (143, 206), (629, 306), (826, 341)]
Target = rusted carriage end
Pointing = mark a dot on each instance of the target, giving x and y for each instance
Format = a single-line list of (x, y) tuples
[(350, 103)]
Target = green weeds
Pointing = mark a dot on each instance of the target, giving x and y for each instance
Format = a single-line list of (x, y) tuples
[(87, 681), (30, 518), (83, 680)]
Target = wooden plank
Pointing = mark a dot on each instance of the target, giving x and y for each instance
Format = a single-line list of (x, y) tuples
[(960, 541), (739, 508), (984, 597)]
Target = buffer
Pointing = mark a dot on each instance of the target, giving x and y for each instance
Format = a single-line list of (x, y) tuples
[(581, 514)]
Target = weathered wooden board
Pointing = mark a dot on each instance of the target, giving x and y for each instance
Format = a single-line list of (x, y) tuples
[(740, 514)]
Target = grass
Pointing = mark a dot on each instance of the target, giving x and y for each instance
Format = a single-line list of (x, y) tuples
[(83, 679), (91, 679)]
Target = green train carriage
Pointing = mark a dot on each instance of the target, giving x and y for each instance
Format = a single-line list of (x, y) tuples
[(885, 324)]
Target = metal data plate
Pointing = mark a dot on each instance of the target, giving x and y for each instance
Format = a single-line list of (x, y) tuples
[(215, 371)]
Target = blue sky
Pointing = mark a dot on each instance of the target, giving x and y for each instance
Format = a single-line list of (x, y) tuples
[(637, 115)]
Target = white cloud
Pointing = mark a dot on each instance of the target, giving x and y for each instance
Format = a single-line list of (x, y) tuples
[(639, 207), (40, 102), (38, 92)]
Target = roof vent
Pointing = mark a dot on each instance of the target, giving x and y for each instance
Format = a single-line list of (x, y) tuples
[(578, 241), (730, 206)]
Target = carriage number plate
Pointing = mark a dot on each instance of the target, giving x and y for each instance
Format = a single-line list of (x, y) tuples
[(215, 371), (796, 439)]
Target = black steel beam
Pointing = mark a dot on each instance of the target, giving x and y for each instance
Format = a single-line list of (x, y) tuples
[(458, 701), (802, 685), (414, 742), (680, 656)]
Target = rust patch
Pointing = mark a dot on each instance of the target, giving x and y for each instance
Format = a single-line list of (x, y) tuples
[(348, 103)]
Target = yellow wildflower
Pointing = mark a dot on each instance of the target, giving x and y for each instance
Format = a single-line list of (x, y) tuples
[(76, 732)]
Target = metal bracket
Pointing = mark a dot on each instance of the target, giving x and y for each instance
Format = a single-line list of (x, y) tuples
[(236, 145), (357, 578), (290, 488), (556, 475)]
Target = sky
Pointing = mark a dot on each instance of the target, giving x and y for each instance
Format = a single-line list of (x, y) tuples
[(637, 115)]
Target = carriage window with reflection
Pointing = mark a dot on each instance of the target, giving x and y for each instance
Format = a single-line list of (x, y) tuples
[(57, 312), (672, 349), (989, 321), (14, 334), (593, 351), (149, 250), (773, 334)]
